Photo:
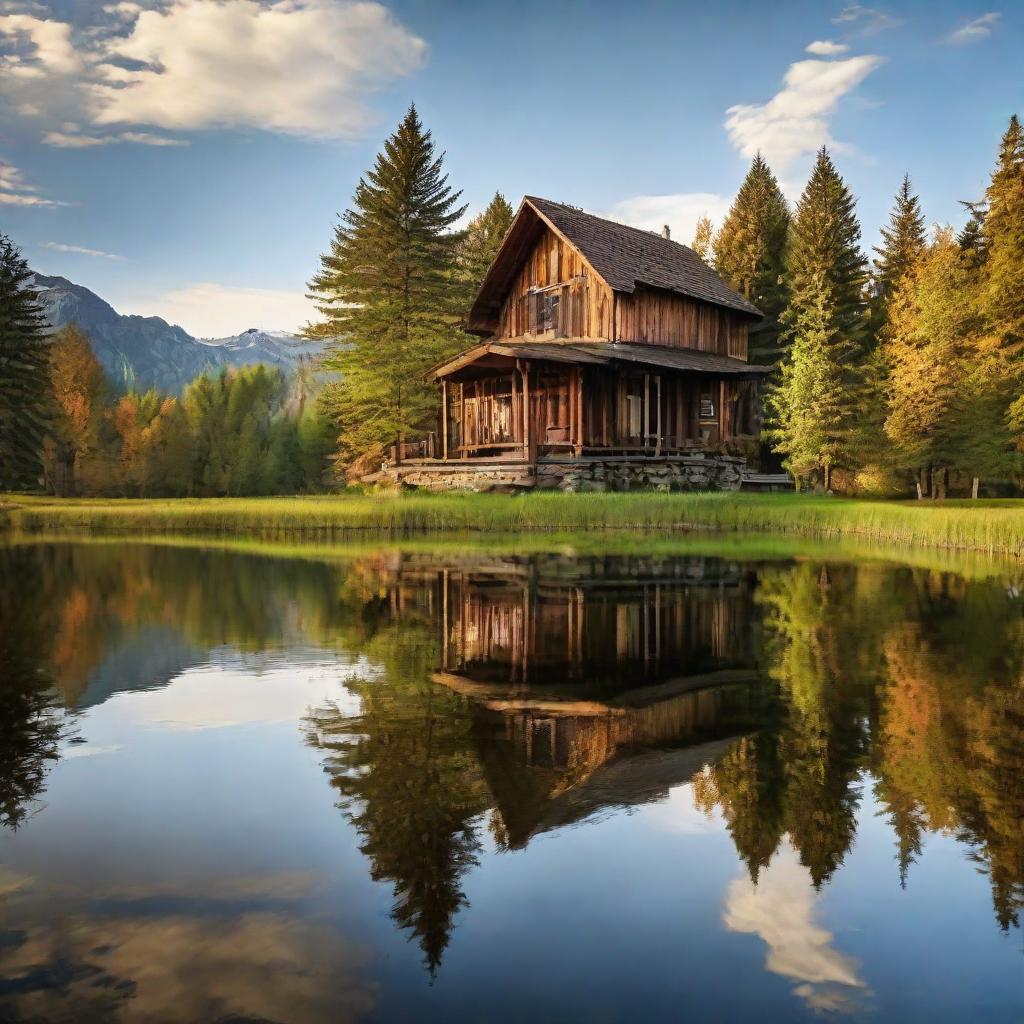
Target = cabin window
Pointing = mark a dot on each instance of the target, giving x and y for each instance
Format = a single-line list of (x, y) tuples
[(707, 407), (544, 307)]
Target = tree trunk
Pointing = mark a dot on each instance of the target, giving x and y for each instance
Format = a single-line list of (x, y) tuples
[(974, 488), (917, 484)]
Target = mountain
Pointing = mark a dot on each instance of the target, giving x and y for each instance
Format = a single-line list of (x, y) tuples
[(141, 352)]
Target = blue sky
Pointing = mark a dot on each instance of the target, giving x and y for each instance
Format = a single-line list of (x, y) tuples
[(200, 150)]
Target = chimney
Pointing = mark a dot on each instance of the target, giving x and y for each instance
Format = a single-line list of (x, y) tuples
[(666, 232)]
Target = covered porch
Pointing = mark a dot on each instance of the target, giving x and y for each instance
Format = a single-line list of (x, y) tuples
[(529, 402)]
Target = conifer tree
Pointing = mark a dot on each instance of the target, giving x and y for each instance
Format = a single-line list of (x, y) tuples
[(390, 296), (24, 371), (750, 254), (816, 404), (903, 241), (1001, 277), (480, 243), (702, 237)]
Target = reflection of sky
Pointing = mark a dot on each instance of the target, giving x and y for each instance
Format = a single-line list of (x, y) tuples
[(781, 910), (230, 693)]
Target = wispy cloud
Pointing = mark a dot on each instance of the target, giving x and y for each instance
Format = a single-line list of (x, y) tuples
[(826, 48), (795, 121), (865, 20), (81, 250), (16, 191), (679, 210), (299, 67), (975, 30), (78, 140), (207, 309)]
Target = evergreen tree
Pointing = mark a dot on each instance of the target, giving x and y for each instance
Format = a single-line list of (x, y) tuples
[(702, 236), (1002, 292), (480, 244), (903, 242), (24, 371), (817, 402), (750, 254), (390, 296)]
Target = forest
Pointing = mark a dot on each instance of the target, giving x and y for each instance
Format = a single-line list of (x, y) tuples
[(894, 375)]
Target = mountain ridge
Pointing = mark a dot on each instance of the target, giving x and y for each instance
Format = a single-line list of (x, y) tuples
[(142, 352)]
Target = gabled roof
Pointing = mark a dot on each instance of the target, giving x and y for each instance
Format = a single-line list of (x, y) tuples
[(622, 256)]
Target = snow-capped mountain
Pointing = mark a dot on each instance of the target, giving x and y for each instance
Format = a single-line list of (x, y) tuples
[(141, 352)]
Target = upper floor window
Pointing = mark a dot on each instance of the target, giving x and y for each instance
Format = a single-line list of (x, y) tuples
[(544, 308)]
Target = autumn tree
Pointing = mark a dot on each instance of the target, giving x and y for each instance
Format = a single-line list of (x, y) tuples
[(702, 237), (24, 371), (390, 296), (817, 401), (79, 391), (749, 252)]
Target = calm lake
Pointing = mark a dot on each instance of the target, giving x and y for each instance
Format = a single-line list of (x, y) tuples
[(457, 783)]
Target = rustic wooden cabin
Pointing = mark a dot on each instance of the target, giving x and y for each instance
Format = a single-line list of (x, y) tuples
[(610, 356)]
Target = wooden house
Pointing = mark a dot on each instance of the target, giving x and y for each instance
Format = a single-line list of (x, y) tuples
[(604, 349)]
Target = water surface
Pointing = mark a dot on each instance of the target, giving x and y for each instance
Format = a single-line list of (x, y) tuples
[(476, 785)]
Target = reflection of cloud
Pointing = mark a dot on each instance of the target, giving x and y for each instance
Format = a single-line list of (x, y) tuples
[(230, 959), (678, 813), (220, 696), (780, 909)]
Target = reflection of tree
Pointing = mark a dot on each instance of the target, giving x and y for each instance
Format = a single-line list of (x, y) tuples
[(30, 727), (408, 778), (913, 675)]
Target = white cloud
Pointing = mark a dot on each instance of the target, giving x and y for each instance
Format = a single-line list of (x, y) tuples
[(780, 909), (16, 191), (867, 20), (974, 31), (209, 310), (41, 46), (80, 250), (680, 211), (300, 67), (826, 48), (77, 140), (795, 120)]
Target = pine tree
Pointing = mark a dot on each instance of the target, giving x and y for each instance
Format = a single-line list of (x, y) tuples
[(816, 404), (1002, 294), (24, 371), (903, 241), (750, 254), (390, 296), (480, 244), (702, 236)]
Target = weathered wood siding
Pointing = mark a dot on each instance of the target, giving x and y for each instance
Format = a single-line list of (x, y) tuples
[(585, 306), (663, 318)]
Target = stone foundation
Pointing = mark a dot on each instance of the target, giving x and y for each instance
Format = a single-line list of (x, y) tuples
[(623, 473)]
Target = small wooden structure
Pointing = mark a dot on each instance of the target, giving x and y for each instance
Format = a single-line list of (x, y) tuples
[(603, 346)]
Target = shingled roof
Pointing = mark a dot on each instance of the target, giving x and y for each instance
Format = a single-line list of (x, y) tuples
[(623, 256)]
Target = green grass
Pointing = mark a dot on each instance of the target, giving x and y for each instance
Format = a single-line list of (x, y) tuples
[(991, 527)]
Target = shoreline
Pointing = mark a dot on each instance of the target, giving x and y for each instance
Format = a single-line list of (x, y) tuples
[(990, 527)]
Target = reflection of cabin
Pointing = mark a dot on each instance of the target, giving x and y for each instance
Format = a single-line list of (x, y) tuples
[(613, 624), (604, 347)]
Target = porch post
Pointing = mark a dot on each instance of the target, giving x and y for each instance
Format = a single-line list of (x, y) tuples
[(657, 442), (647, 410), (527, 440), (444, 419)]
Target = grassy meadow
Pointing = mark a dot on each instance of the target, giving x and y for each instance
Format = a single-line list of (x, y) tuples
[(990, 527)]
